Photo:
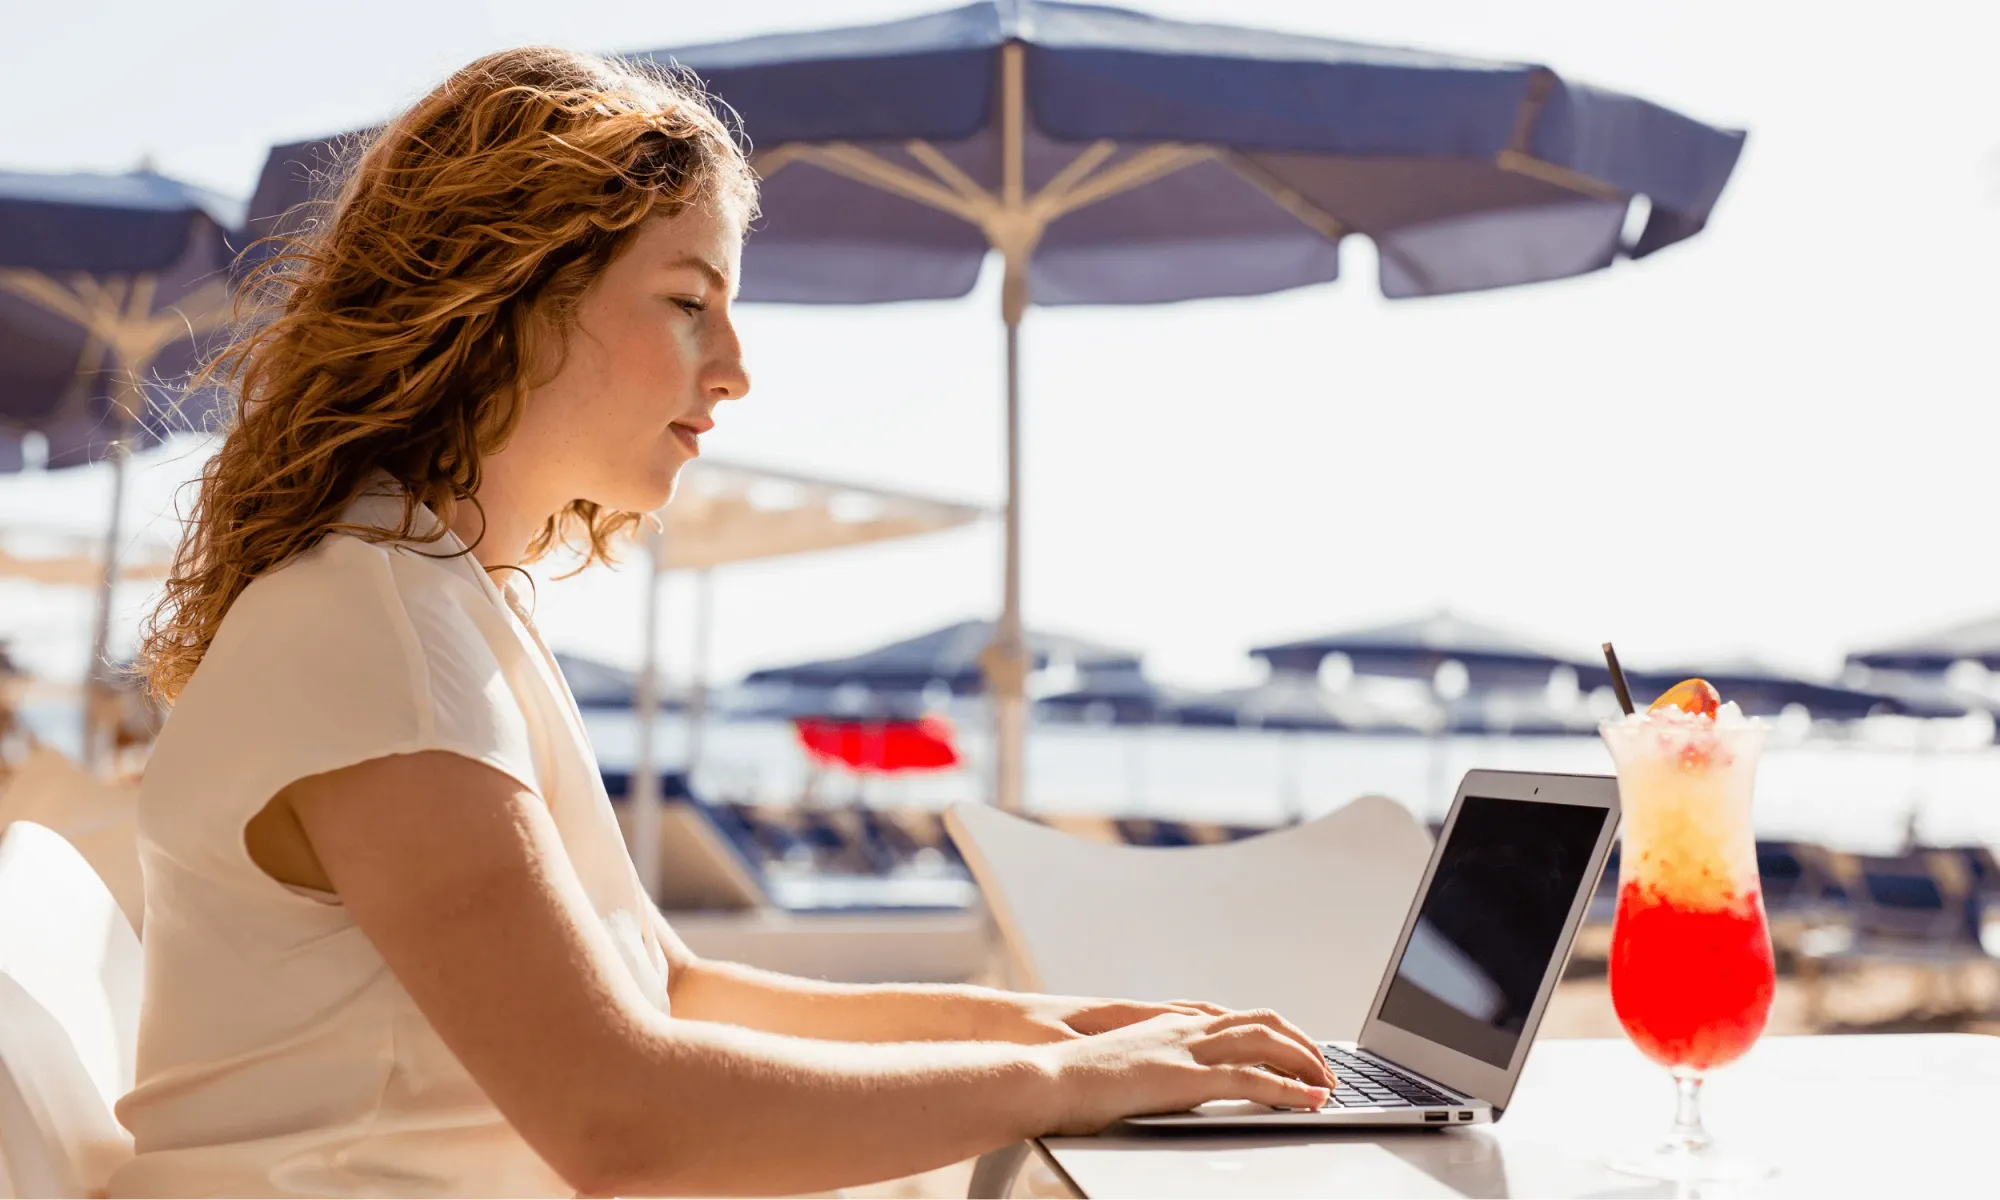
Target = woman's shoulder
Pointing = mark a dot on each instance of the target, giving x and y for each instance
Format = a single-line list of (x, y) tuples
[(348, 583), (352, 650)]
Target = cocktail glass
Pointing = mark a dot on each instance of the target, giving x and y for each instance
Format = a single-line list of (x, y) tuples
[(1691, 966)]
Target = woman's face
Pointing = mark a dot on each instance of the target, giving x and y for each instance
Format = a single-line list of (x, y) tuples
[(653, 352)]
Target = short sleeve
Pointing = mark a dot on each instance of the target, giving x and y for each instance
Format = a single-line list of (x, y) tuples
[(354, 651)]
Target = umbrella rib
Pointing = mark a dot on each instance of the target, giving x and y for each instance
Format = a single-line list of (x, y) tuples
[(949, 172), (1287, 197), (1154, 162), (37, 288), (1517, 158), (769, 162), (1317, 219), (1562, 177), (174, 322), (862, 166), (1073, 173)]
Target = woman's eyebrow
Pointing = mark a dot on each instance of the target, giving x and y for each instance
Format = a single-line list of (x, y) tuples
[(695, 262)]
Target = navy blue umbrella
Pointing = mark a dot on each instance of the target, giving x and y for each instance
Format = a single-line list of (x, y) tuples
[(1935, 653), (1415, 649), (1762, 691), (1114, 158), (947, 658), (1118, 693), (108, 284), (1292, 703), (602, 686)]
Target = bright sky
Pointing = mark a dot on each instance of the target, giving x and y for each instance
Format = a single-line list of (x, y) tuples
[(1775, 440)]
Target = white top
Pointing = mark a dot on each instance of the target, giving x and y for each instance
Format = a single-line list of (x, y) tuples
[(278, 1056), (1867, 1115)]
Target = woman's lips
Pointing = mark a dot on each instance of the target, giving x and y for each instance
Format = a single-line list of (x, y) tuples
[(687, 438)]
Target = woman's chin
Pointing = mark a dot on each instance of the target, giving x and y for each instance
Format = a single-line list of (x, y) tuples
[(656, 490), (643, 490)]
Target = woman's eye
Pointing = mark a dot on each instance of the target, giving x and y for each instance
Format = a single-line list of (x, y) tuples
[(691, 306)]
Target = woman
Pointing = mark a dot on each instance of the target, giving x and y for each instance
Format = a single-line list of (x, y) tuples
[(394, 942)]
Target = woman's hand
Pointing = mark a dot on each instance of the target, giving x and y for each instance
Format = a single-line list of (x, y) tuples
[(1031, 1019), (1175, 1061)]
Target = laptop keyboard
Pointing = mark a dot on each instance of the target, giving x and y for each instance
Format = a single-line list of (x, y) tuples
[(1371, 1083)]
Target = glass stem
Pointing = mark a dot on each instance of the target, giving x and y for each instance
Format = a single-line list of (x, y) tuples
[(1688, 1136)]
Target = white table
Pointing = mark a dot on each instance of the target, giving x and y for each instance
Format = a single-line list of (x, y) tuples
[(1879, 1115)]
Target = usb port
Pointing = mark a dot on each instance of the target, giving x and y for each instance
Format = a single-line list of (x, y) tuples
[(1465, 1116), (1437, 1116)]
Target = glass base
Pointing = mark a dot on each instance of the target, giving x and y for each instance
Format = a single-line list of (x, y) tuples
[(1688, 1156), (1678, 1162)]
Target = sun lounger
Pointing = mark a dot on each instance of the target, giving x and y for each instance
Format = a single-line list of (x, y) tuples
[(1140, 831), (1918, 909), (729, 901), (1095, 829)]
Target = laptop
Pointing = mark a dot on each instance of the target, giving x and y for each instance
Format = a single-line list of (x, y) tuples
[(1480, 952)]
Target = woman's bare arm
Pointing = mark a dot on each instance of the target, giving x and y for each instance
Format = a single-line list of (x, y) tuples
[(457, 875), (710, 990)]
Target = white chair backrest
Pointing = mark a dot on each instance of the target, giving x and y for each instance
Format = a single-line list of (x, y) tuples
[(1301, 919), (57, 1136), (97, 817), (64, 941)]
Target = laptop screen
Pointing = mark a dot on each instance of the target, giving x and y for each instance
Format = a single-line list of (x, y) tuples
[(1490, 923)]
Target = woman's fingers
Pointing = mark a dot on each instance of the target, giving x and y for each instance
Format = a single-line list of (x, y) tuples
[(1262, 1087), (1116, 1014), (1267, 1019), (1254, 1045), (1201, 1006)]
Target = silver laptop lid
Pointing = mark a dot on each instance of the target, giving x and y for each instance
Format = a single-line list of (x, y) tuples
[(1490, 930)]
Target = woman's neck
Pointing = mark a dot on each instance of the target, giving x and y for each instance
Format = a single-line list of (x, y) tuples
[(502, 523)]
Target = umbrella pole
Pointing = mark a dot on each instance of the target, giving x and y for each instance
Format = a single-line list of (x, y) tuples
[(1007, 665), (704, 600), (132, 349), (1010, 668), (644, 794), (97, 690)]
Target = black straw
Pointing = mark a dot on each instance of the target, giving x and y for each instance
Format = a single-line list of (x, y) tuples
[(1618, 679)]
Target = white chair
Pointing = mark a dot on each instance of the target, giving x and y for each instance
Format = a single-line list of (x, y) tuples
[(99, 818), (1301, 919), (69, 1017)]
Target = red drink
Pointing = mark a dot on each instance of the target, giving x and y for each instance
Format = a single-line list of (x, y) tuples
[(1692, 986)]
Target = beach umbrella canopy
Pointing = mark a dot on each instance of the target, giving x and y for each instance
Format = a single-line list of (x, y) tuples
[(1936, 652), (70, 561), (1415, 649), (728, 513), (1117, 695), (1760, 690), (1518, 713), (1109, 157), (946, 657), (109, 285), (602, 686), (1293, 702)]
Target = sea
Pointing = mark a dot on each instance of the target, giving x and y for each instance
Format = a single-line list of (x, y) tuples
[(1867, 789), (1863, 790)]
